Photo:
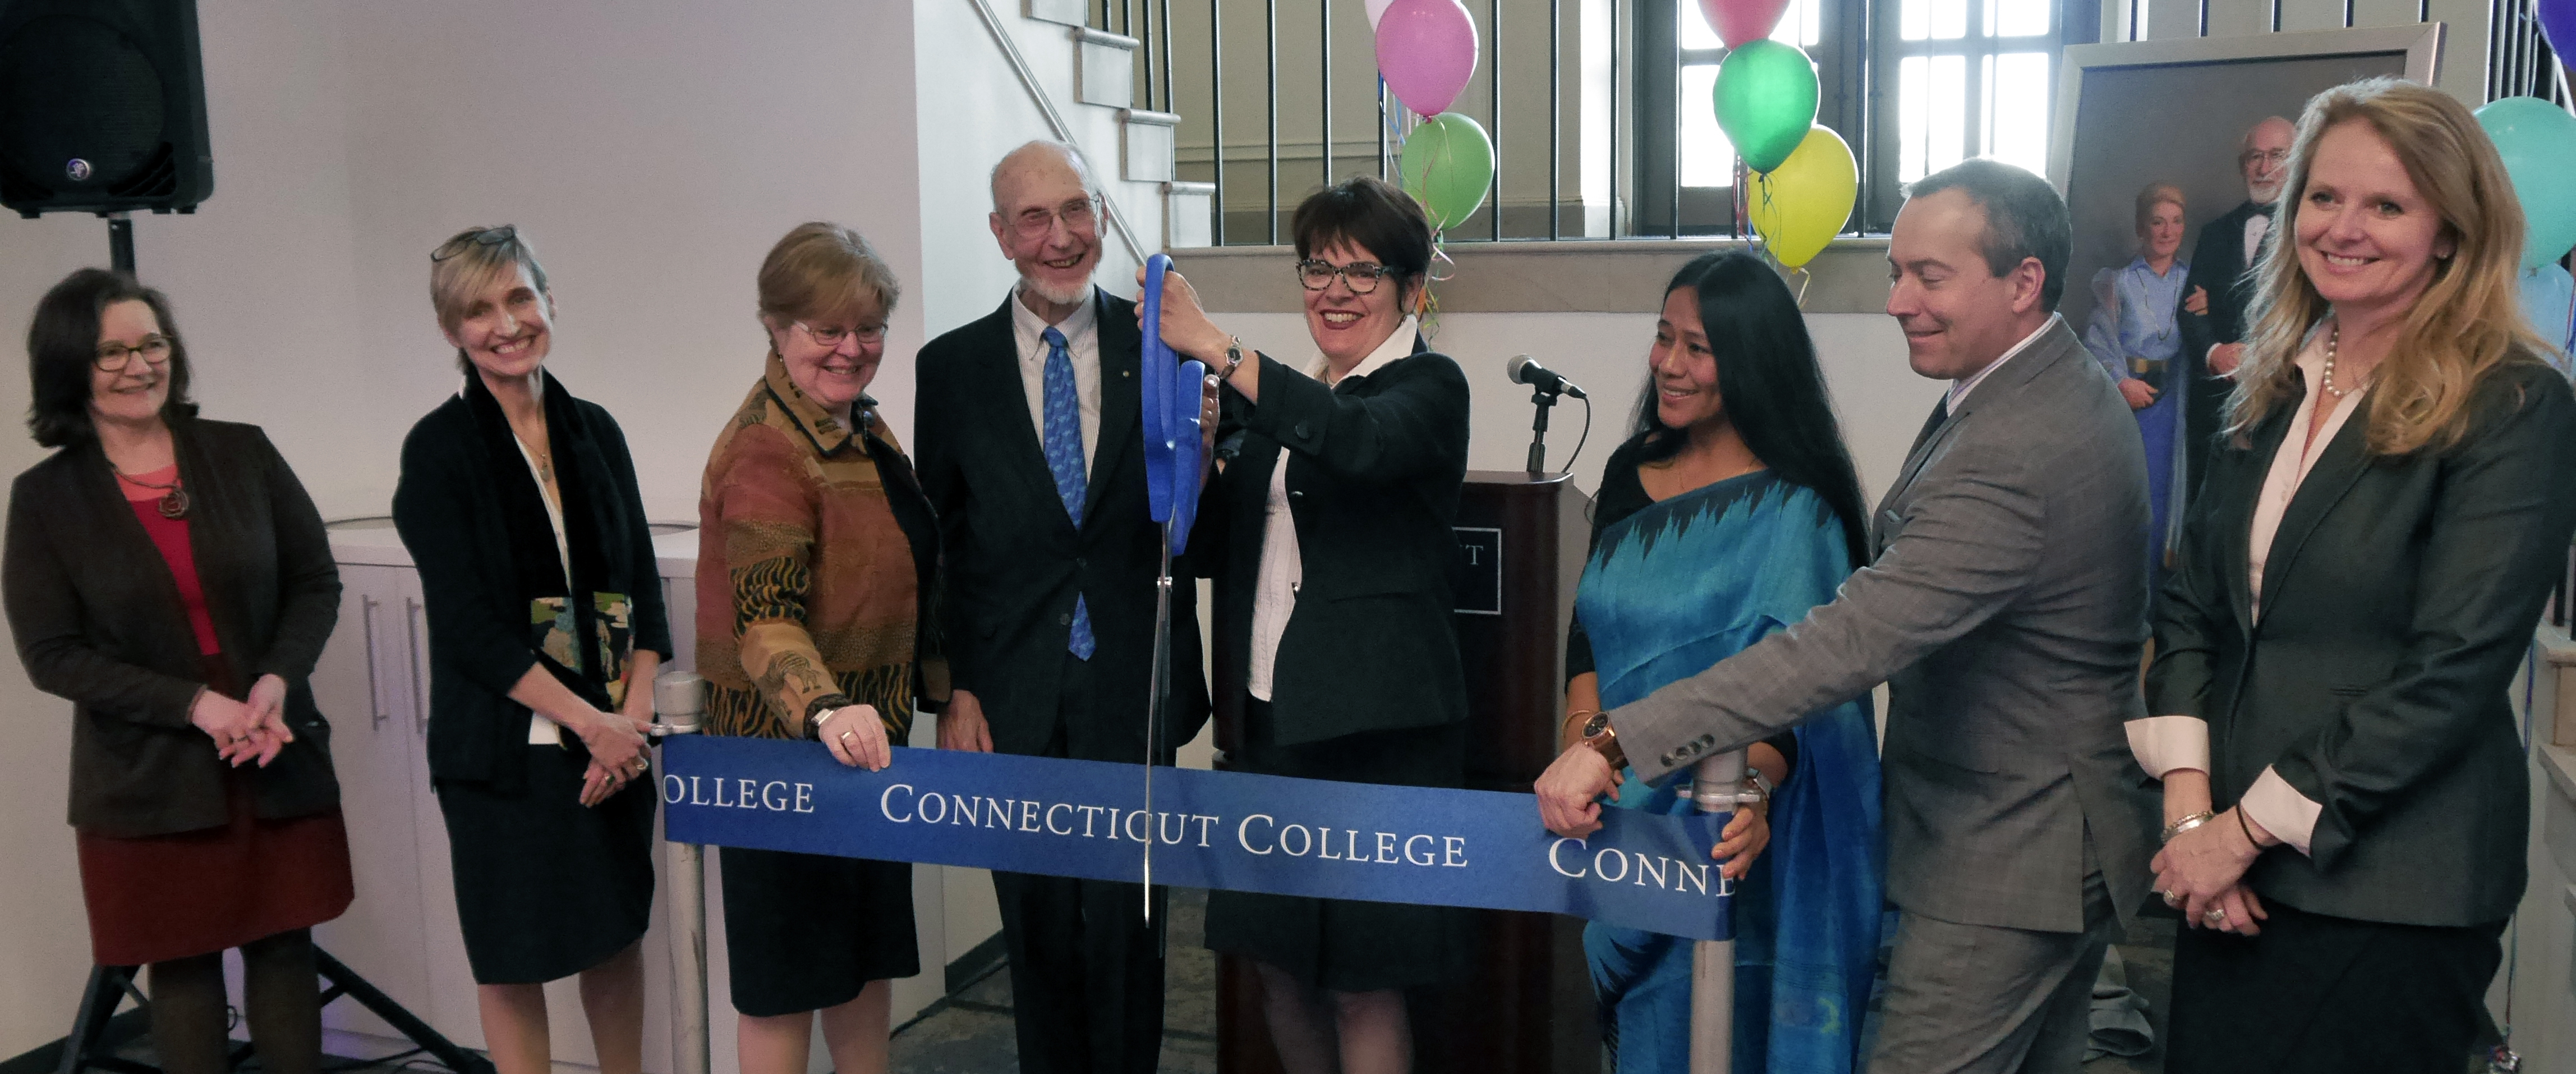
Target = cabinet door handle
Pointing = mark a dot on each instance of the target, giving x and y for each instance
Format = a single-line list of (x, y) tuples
[(375, 690), (420, 684)]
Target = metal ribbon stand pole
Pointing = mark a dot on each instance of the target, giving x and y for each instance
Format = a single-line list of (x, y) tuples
[(680, 700), (1717, 786)]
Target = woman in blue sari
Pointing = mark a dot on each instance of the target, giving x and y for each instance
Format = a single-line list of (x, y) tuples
[(2132, 332), (1730, 513)]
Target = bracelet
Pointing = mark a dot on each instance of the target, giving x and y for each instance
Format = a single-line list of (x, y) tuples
[(2248, 829), (1233, 357), (1571, 717), (2188, 823)]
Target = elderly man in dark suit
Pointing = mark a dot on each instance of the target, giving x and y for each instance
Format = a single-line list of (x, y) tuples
[(2005, 605), (2213, 334), (1032, 452)]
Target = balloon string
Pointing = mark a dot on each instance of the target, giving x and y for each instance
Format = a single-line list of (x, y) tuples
[(1804, 278), (1427, 308)]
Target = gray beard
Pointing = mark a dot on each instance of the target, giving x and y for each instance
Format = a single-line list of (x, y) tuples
[(1066, 297)]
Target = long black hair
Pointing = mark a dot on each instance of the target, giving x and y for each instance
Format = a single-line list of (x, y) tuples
[(62, 347), (1773, 388)]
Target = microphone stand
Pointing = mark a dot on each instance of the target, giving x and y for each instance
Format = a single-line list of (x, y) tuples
[(1543, 398)]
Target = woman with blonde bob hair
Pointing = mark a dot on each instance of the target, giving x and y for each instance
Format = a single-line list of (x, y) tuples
[(519, 504), (2345, 799)]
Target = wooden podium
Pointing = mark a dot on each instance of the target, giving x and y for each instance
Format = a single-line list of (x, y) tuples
[(1527, 1007)]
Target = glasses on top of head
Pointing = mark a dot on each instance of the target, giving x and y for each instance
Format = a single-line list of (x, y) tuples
[(1081, 217), (113, 356), (2273, 157), (490, 236), (829, 338), (1360, 276)]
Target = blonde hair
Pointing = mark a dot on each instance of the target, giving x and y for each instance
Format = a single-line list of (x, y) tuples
[(2155, 194), (466, 265), (2469, 319), (823, 270)]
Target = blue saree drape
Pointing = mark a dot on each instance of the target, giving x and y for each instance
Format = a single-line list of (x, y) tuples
[(1670, 590)]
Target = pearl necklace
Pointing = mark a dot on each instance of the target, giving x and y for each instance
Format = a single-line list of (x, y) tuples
[(2334, 333)]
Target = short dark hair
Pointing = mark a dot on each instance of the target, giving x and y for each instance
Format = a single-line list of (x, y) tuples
[(1773, 387), (1369, 212), (62, 352), (2024, 219)]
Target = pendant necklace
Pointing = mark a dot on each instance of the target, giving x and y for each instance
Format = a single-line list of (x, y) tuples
[(174, 500)]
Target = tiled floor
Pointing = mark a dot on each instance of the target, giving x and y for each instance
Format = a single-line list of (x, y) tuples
[(970, 1032)]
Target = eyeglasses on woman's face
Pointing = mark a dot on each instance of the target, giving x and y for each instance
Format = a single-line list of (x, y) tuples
[(1360, 276), (113, 355), (506, 234), (830, 338)]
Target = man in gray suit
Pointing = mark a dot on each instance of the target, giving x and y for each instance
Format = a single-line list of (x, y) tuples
[(2005, 606)]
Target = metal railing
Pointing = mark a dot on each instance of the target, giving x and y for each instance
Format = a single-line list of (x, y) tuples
[(1176, 42)]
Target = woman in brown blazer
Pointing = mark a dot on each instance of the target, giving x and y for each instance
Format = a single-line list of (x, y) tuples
[(170, 576)]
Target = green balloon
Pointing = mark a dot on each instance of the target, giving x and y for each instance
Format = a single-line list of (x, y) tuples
[(1766, 100), (1448, 164)]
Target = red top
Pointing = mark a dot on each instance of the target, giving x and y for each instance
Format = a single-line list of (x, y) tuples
[(170, 535)]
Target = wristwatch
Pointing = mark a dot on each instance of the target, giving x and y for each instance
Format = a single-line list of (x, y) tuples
[(1604, 740), (1233, 357)]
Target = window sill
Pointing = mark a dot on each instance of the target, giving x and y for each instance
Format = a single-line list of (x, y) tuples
[(1540, 276)]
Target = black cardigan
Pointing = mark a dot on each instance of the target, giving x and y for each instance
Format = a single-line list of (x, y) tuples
[(2399, 597), (1375, 466), (98, 619), (450, 517)]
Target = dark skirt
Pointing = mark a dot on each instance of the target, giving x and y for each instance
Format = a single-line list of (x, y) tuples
[(1344, 945), (808, 931), (2329, 995), (545, 887), (246, 879)]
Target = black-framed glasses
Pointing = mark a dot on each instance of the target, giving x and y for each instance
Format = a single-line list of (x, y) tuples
[(114, 356), (830, 338), (1360, 276), (1080, 217), (506, 234)]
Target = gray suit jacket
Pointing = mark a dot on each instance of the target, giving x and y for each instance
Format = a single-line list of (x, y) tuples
[(2005, 605)]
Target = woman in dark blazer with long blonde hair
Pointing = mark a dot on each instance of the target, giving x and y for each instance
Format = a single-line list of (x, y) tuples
[(2345, 797)]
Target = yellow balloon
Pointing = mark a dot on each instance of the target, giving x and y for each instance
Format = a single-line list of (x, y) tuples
[(1801, 205)]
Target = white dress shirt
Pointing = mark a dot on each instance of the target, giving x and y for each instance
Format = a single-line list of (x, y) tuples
[(1959, 389), (2165, 743), (2256, 226), (1274, 590), (1081, 330)]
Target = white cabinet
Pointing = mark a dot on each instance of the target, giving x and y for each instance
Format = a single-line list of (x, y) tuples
[(402, 932)]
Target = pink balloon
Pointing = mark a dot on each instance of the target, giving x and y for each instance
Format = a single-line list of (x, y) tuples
[(1426, 49), (1739, 21)]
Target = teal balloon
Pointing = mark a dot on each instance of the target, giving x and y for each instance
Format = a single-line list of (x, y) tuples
[(1448, 165), (2538, 142), (1766, 100)]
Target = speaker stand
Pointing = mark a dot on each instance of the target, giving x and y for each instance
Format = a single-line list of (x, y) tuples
[(120, 242), (110, 985)]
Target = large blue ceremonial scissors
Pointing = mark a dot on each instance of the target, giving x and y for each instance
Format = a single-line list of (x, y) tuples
[(1173, 464)]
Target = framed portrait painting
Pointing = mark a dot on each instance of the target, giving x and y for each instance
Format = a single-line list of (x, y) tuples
[(2154, 133)]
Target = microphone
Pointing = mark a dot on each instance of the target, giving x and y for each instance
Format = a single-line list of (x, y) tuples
[(1525, 370)]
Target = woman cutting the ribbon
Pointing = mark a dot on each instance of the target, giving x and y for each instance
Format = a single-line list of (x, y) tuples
[(1329, 532)]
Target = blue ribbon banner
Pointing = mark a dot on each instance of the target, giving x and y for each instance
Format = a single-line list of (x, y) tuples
[(1230, 830)]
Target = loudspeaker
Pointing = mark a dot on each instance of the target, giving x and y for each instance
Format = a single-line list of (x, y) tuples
[(102, 107)]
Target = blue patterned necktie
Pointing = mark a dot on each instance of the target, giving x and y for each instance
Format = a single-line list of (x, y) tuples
[(1064, 459)]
